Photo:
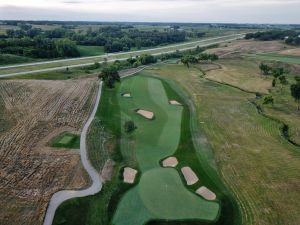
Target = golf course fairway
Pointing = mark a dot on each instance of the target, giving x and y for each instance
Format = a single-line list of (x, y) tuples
[(161, 193)]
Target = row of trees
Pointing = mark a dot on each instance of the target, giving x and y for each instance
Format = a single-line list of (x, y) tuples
[(191, 59), (26, 41), (290, 36)]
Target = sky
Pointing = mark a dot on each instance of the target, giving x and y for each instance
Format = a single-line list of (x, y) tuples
[(198, 11)]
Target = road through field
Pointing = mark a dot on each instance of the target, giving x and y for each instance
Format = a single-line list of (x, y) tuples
[(22, 69), (61, 196)]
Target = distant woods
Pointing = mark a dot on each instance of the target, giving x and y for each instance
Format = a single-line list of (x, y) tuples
[(30, 41), (291, 37)]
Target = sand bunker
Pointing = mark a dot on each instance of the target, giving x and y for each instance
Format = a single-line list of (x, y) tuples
[(189, 175), (129, 175), (206, 193), (147, 114), (174, 102), (170, 162), (126, 95)]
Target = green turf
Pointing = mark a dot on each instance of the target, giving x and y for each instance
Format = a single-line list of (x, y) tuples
[(170, 133), (161, 192), (90, 50), (276, 57), (66, 140), (7, 59)]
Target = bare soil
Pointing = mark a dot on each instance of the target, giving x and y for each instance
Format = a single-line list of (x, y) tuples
[(247, 47), (31, 172), (291, 52)]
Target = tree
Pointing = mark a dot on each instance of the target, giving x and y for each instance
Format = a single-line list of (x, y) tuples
[(110, 75), (129, 126), (295, 92), (265, 69), (188, 59), (283, 80), (277, 72), (274, 82), (66, 47), (268, 100)]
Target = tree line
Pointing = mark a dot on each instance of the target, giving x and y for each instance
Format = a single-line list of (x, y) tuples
[(291, 37), (61, 42)]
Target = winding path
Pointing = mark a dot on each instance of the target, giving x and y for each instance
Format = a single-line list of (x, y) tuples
[(61, 196)]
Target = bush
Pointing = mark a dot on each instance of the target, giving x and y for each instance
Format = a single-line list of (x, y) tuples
[(129, 126)]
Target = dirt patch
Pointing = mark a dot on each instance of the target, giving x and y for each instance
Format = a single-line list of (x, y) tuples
[(126, 95), (129, 175), (147, 114), (290, 52), (189, 175), (246, 47), (107, 171), (170, 162), (174, 102), (206, 193), (31, 172)]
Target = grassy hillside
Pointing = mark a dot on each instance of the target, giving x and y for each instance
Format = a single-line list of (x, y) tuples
[(256, 162)]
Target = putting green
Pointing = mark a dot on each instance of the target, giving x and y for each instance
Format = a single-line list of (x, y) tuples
[(161, 193)]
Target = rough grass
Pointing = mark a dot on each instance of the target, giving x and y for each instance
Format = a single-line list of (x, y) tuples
[(276, 57), (6, 59), (259, 166), (90, 50), (66, 140)]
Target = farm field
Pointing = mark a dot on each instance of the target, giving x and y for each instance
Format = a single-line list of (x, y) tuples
[(159, 199), (34, 112), (256, 162)]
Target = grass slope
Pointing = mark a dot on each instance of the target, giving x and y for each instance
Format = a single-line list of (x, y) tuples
[(257, 164), (276, 57), (90, 50)]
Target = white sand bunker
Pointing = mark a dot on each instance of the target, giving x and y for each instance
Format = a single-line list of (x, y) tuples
[(126, 95), (129, 175), (174, 102), (206, 193), (189, 175), (170, 162), (147, 114)]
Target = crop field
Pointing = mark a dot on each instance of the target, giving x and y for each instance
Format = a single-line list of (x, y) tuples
[(66, 140), (30, 171), (257, 164)]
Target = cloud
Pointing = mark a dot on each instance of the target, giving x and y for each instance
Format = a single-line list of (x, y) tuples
[(254, 11)]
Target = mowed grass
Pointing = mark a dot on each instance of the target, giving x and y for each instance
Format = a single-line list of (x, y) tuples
[(276, 57), (90, 50), (160, 194), (7, 59), (258, 165), (66, 140)]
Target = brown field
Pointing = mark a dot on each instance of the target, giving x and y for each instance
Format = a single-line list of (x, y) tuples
[(30, 172), (291, 52), (247, 47)]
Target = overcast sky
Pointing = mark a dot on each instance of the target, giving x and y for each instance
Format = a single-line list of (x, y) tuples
[(239, 11)]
